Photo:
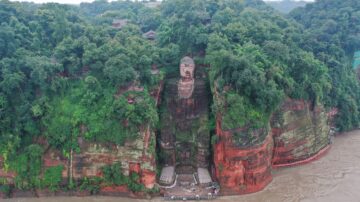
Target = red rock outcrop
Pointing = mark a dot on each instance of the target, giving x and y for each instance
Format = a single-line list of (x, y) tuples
[(300, 132), (241, 170), (135, 156)]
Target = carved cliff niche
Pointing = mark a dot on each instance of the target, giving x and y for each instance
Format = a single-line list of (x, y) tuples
[(184, 137)]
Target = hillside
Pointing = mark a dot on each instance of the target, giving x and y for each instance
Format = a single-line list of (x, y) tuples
[(332, 34), (86, 92)]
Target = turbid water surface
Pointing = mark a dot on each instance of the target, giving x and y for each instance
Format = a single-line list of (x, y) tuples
[(333, 178)]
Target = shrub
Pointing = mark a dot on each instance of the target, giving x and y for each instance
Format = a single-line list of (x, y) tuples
[(91, 184), (53, 177), (113, 175), (6, 190)]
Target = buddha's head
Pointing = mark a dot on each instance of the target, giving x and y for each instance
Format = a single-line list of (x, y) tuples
[(186, 83), (187, 68)]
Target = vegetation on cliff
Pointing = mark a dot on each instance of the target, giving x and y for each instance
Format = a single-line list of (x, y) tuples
[(63, 76), (255, 53), (331, 32), (65, 72), (261, 56)]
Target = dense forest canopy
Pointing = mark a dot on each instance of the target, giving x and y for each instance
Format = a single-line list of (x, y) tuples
[(286, 6), (331, 32), (63, 68)]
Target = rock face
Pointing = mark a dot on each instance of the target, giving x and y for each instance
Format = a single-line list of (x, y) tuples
[(136, 156), (184, 137), (299, 132), (241, 170)]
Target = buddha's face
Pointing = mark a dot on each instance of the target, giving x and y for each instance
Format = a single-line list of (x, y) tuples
[(187, 74), (186, 71)]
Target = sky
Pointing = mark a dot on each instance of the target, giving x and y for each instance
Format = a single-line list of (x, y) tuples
[(79, 1)]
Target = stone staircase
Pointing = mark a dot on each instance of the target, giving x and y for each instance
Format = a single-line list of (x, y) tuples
[(190, 185)]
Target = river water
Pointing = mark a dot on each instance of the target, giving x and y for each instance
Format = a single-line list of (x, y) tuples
[(333, 178)]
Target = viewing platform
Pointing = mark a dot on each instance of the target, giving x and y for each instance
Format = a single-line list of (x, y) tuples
[(188, 185)]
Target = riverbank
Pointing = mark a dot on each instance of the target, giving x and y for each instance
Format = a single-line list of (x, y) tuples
[(334, 177)]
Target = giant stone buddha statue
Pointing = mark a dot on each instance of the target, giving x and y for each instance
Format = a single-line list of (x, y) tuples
[(186, 83)]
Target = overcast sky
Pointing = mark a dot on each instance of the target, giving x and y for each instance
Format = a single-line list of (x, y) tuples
[(79, 1)]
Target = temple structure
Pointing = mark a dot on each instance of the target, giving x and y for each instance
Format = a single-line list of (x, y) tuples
[(150, 35), (119, 23)]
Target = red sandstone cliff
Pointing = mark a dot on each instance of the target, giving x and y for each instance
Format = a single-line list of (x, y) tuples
[(241, 170), (136, 156), (300, 133)]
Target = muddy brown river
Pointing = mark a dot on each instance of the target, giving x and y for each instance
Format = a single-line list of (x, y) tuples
[(333, 178)]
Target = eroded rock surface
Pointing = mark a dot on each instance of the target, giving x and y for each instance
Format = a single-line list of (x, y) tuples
[(134, 156), (300, 131), (241, 170), (184, 137)]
